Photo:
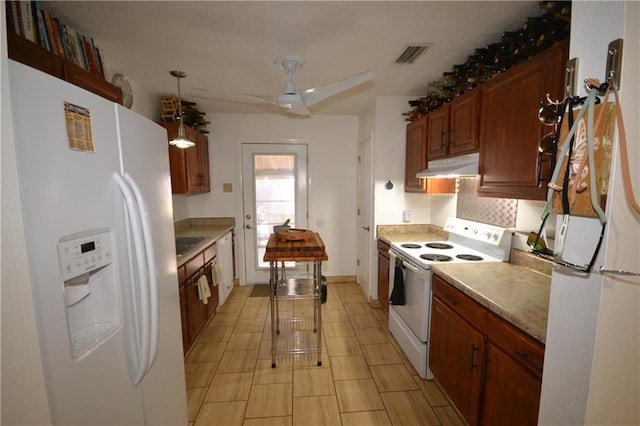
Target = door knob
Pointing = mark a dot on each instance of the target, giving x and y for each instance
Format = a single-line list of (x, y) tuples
[(366, 228), (247, 226)]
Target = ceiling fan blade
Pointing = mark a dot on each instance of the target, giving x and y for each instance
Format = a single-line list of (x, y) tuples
[(231, 96), (317, 94)]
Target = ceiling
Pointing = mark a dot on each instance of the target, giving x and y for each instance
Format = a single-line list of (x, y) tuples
[(229, 47)]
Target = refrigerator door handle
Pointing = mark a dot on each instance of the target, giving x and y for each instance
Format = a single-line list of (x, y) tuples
[(142, 309), (151, 266)]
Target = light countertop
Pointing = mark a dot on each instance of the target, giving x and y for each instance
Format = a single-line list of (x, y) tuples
[(212, 229), (515, 293)]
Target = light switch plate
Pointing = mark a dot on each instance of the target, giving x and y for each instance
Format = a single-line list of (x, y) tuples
[(227, 187)]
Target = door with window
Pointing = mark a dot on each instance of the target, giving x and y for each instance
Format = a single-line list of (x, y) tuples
[(274, 190)]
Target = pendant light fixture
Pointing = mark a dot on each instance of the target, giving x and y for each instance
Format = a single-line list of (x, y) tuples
[(181, 140)]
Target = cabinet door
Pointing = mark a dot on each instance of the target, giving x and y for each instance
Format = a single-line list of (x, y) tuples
[(203, 152), (455, 359), (184, 315), (437, 133), (197, 311), (212, 303), (510, 129), (192, 157), (416, 156), (463, 123), (383, 275), (512, 395)]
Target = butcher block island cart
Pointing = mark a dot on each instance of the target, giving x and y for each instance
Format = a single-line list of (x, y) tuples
[(298, 334)]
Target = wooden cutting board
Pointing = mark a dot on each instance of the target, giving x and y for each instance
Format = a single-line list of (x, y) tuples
[(295, 235), (311, 249)]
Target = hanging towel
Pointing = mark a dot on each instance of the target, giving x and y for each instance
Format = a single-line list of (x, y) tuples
[(217, 274), (203, 289), (397, 295)]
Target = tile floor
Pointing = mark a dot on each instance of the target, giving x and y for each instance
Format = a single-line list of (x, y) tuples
[(364, 379)]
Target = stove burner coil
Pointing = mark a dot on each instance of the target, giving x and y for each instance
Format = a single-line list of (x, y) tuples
[(410, 245), (436, 257), (471, 257), (439, 246)]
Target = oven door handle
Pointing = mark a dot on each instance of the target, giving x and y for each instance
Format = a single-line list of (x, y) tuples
[(423, 274)]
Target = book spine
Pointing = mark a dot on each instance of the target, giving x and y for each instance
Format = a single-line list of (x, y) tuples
[(12, 18), (70, 40), (27, 21), (19, 22), (56, 37), (96, 55), (89, 49), (44, 33), (64, 39), (49, 25), (81, 53), (103, 65)]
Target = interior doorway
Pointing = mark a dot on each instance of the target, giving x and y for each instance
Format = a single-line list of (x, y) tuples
[(274, 177), (365, 217)]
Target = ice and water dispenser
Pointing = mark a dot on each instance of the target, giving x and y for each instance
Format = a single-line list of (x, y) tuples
[(90, 289)]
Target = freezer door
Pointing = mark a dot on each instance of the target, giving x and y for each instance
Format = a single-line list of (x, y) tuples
[(64, 192), (144, 157)]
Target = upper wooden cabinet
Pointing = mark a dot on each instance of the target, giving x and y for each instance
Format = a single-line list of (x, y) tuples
[(190, 166), (416, 160), (510, 128), (416, 155), (26, 52), (453, 128)]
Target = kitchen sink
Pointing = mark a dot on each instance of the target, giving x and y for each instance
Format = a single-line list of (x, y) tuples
[(184, 244)]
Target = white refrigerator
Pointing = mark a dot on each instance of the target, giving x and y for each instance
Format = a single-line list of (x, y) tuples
[(96, 203)]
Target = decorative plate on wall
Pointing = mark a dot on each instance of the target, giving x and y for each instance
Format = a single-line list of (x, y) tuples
[(121, 81)]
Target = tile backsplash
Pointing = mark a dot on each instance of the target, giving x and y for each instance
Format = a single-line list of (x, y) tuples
[(495, 211)]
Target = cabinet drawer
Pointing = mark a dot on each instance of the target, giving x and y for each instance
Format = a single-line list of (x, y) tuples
[(524, 349), (182, 275), (194, 264), (460, 303), (210, 252)]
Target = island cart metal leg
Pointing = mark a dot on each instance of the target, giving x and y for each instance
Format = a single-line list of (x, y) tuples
[(317, 275), (273, 282)]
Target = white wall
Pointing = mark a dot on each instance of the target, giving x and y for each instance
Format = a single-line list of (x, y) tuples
[(332, 171), (591, 371), (388, 164)]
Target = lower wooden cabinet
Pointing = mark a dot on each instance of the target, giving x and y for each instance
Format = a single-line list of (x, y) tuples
[(455, 359), (511, 394), (491, 371), (383, 274), (194, 313)]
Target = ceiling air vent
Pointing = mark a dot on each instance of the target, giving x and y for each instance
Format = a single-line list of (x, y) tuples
[(412, 52)]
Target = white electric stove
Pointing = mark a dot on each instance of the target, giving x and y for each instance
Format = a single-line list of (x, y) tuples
[(469, 242)]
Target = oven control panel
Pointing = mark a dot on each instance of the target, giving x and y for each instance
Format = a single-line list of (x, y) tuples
[(486, 233)]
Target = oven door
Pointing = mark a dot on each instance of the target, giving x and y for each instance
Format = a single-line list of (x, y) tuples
[(415, 313)]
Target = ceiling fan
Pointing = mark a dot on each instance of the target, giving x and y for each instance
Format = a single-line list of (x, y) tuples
[(298, 102)]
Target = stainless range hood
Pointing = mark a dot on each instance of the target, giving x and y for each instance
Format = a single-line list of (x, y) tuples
[(462, 165)]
